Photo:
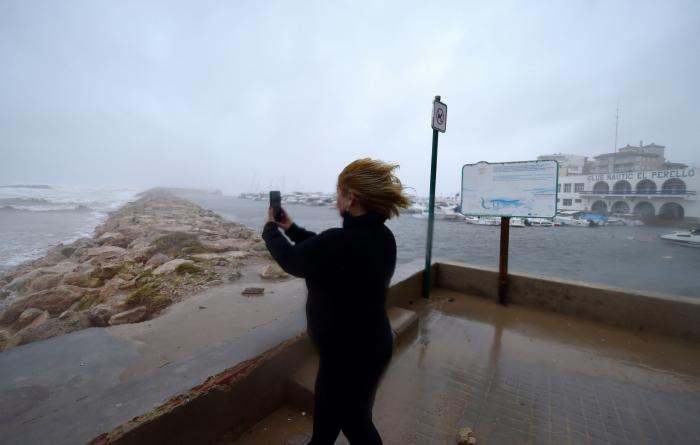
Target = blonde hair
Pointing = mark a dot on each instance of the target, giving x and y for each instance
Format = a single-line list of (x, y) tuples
[(375, 186)]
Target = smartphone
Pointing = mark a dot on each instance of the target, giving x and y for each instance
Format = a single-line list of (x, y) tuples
[(276, 204)]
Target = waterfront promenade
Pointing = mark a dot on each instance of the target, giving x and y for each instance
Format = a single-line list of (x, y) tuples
[(521, 376)]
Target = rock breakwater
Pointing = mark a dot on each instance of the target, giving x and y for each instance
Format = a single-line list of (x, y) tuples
[(148, 255)]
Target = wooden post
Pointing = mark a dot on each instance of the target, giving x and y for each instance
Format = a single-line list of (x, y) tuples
[(503, 261)]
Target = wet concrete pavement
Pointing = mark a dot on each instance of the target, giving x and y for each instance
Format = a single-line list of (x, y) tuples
[(69, 389), (520, 376)]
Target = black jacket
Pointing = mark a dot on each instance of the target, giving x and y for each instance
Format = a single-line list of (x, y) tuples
[(347, 272)]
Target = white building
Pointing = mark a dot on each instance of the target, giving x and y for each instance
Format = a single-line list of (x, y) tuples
[(632, 158), (670, 193), (568, 164)]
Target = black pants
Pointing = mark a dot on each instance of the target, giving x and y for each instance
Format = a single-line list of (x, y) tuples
[(344, 393)]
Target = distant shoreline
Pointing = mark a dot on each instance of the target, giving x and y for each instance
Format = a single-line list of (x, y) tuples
[(21, 186)]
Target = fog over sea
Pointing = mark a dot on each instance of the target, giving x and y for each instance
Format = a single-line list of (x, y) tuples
[(33, 219)]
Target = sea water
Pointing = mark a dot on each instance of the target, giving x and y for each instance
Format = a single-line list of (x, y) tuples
[(622, 256), (35, 217)]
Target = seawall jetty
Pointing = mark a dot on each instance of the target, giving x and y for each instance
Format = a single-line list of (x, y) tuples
[(149, 254)]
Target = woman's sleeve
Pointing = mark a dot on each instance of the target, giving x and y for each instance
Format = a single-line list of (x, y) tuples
[(298, 234), (303, 258)]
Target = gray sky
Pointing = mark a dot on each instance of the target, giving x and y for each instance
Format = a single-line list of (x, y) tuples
[(237, 95)]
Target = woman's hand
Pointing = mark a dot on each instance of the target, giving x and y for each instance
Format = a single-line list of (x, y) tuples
[(286, 222)]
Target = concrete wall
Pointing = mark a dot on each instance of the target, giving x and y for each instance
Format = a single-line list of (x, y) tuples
[(231, 401), (644, 311), (407, 285)]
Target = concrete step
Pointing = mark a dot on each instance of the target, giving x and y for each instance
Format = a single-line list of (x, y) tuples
[(402, 321), (300, 386)]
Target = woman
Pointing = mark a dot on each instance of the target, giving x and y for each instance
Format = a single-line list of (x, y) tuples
[(347, 272)]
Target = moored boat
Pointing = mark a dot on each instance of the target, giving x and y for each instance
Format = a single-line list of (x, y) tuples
[(489, 221), (517, 222), (691, 238), (471, 219), (539, 222)]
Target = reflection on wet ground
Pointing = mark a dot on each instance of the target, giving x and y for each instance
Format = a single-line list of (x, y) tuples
[(521, 376)]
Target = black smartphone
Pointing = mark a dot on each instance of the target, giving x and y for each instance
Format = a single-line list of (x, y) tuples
[(276, 204)]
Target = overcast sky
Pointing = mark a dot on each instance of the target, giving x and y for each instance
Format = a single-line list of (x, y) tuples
[(238, 95)]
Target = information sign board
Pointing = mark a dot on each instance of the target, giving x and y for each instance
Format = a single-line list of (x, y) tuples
[(520, 189)]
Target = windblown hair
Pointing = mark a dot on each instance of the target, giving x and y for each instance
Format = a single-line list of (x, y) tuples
[(375, 186)]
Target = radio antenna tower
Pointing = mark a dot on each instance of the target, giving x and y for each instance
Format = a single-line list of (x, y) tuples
[(617, 122)]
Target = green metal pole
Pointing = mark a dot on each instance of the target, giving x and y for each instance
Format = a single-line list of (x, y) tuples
[(431, 218)]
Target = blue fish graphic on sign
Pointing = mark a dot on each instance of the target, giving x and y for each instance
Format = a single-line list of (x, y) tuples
[(499, 203)]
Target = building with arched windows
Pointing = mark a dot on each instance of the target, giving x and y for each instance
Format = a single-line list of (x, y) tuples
[(634, 179)]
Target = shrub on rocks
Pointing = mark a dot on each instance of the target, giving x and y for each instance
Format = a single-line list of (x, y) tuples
[(148, 295), (187, 268), (177, 243), (170, 267), (87, 301), (144, 277)]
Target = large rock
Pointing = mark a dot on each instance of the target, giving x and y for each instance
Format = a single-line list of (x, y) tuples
[(4, 339), (27, 317), (85, 278), (10, 315), (131, 316), (170, 266), (100, 315), (157, 260), (108, 270), (259, 246), (104, 254), (111, 288), (114, 239), (227, 256), (52, 258), (44, 282), (55, 300), (104, 251), (273, 271), (222, 245), (52, 328), (177, 242), (21, 283)]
